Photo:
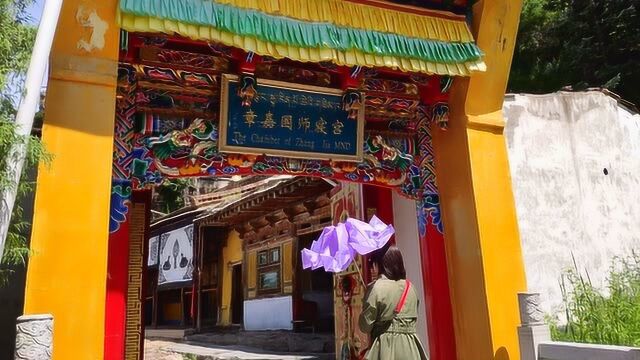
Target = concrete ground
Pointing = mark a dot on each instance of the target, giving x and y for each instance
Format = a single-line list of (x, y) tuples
[(177, 350), (271, 341)]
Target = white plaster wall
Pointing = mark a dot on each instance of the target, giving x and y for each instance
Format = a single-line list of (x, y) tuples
[(268, 314), (559, 145), (407, 240)]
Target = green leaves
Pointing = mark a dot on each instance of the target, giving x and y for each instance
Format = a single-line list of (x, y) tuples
[(16, 39), (16, 43), (578, 43), (16, 247), (171, 194), (36, 152)]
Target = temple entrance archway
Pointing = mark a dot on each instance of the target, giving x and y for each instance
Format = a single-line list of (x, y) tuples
[(482, 250), (192, 109)]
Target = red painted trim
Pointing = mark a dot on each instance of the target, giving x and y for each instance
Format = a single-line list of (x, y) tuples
[(248, 66), (385, 205), (442, 345), (116, 298), (380, 199), (431, 92), (347, 81)]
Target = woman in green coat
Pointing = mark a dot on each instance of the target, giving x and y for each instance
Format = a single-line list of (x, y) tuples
[(390, 310)]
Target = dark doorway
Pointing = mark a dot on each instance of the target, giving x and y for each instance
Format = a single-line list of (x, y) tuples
[(237, 297), (315, 289), (209, 282)]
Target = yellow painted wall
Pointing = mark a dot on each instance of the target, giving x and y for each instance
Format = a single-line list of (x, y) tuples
[(251, 275), (288, 261), (482, 242), (232, 253), (67, 273)]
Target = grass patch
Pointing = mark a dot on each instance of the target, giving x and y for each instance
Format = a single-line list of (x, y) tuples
[(594, 316)]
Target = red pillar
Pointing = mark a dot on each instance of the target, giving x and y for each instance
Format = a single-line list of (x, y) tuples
[(118, 264), (378, 201), (117, 273), (442, 344)]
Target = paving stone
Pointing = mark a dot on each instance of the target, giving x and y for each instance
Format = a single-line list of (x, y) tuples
[(275, 341), (170, 350)]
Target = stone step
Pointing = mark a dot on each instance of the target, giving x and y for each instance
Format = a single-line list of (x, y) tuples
[(278, 341), (173, 350)]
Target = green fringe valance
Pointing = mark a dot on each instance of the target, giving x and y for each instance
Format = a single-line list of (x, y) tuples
[(286, 31)]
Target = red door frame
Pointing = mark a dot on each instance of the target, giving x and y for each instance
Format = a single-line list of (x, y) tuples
[(118, 278), (434, 272)]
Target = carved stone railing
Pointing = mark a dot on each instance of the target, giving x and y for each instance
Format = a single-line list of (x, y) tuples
[(572, 351), (532, 330), (34, 337), (530, 309)]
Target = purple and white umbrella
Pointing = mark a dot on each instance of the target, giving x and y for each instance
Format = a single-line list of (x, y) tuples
[(338, 245)]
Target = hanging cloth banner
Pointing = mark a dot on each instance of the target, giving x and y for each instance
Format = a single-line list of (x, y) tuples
[(175, 262), (447, 51)]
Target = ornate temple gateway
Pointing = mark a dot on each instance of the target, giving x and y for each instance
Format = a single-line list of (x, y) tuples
[(367, 92)]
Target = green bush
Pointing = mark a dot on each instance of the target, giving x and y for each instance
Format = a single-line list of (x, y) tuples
[(602, 317), (16, 250)]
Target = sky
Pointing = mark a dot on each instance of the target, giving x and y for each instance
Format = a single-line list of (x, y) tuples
[(35, 11), (14, 86)]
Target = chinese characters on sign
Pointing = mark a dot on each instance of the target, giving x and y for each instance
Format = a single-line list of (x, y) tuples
[(290, 120)]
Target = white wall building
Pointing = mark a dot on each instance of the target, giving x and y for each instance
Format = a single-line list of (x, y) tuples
[(575, 167)]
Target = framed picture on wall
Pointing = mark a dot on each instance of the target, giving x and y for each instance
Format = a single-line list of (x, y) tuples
[(269, 271), (274, 256), (263, 258), (270, 279)]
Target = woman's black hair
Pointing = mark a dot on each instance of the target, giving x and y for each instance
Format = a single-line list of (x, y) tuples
[(390, 262)]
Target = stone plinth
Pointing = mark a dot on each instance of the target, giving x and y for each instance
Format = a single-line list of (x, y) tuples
[(530, 309), (533, 330), (34, 337)]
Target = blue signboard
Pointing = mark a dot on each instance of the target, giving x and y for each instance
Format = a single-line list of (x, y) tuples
[(292, 120)]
